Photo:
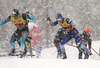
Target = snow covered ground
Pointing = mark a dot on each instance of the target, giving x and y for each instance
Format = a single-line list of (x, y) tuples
[(72, 52), (48, 59)]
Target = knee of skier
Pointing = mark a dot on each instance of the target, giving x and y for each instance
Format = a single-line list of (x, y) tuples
[(22, 41), (61, 43), (12, 43), (25, 34)]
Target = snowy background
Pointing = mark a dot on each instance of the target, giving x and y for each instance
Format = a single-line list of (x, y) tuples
[(85, 13)]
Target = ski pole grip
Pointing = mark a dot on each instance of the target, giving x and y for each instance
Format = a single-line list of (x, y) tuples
[(48, 18)]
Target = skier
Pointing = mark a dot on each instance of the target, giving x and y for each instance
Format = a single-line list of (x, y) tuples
[(59, 36), (87, 37), (20, 20), (68, 31)]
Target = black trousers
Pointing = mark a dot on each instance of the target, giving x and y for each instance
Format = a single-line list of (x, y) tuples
[(81, 52)]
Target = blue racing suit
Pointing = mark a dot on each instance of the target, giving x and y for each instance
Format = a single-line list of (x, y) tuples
[(69, 34)]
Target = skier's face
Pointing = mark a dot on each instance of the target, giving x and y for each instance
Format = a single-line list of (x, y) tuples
[(88, 33), (60, 20), (15, 17)]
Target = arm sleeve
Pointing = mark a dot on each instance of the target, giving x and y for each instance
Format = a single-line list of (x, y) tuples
[(29, 16), (70, 22), (54, 23), (89, 42), (24, 16), (5, 21), (82, 35)]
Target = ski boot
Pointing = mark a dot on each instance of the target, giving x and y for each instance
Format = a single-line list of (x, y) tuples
[(86, 56), (64, 56), (89, 52), (58, 55), (25, 51), (80, 56), (22, 54), (12, 53)]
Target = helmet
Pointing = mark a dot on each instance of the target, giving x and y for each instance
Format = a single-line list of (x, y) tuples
[(58, 16), (88, 30), (15, 12)]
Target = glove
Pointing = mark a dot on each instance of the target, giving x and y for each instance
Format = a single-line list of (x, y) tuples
[(78, 47), (89, 52), (48, 18), (81, 49), (26, 10)]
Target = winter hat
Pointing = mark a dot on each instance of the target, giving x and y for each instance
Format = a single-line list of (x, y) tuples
[(58, 16), (88, 30)]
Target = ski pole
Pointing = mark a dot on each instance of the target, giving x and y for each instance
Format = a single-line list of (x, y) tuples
[(54, 35), (94, 50), (54, 52), (87, 44), (71, 45), (56, 38), (31, 42)]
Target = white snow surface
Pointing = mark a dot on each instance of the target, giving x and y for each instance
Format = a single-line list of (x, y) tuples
[(48, 59)]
